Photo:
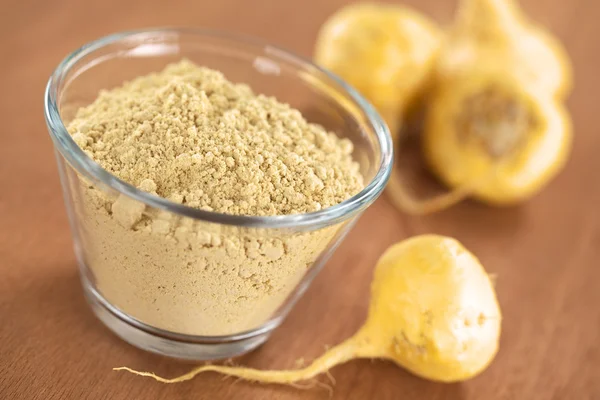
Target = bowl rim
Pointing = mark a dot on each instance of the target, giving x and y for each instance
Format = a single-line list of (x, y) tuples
[(85, 165)]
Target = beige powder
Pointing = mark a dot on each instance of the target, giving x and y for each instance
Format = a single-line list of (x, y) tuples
[(189, 135)]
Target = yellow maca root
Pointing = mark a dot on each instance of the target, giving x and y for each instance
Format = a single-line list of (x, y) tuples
[(386, 51), (433, 311), (491, 122), (497, 33), (495, 127)]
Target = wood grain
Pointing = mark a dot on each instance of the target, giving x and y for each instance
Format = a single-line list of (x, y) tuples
[(545, 252)]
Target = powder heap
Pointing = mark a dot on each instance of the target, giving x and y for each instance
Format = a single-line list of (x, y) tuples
[(189, 135)]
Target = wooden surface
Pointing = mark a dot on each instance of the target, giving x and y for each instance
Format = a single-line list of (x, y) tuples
[(544, 252)]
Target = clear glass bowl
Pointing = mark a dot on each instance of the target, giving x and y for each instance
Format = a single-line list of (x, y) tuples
[(180, 281)]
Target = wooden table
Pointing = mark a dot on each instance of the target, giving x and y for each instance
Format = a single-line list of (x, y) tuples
[(545, 252)]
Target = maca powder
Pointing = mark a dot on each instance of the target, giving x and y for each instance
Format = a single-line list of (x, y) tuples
[(189, 135)]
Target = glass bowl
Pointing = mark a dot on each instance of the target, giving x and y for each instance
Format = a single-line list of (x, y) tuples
[(180, 281)]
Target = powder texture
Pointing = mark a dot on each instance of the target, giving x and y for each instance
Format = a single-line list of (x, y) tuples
[(190, 135)]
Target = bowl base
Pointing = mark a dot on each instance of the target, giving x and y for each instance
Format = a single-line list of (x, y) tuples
[(213, 349)]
